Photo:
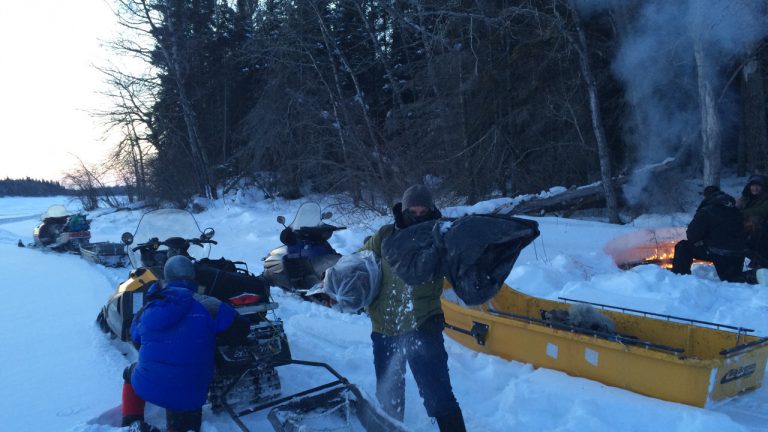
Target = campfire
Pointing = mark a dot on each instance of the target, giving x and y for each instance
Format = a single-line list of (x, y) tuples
[(646, 247), (662, 256)]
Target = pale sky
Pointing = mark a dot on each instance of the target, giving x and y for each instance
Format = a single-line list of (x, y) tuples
[(47, 85)]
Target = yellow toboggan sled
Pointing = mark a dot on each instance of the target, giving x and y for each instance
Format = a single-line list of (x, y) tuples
[(661, 356)]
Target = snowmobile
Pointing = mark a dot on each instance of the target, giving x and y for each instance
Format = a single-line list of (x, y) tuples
[(246, 379), (244, 374), (300, 263), (61, 231)]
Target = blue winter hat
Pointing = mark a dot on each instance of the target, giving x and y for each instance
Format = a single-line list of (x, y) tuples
[(179, 267)]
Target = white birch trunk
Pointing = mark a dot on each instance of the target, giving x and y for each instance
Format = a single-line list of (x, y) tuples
[(710, 123)]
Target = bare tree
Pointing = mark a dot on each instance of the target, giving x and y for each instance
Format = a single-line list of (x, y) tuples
[(579, 42), (156, 21), (90, 187), (131, 118)]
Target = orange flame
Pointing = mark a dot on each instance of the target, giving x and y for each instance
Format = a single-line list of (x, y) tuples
[(664, 254)]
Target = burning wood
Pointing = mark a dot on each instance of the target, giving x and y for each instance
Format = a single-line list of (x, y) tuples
[(646, 247), (662, 257)]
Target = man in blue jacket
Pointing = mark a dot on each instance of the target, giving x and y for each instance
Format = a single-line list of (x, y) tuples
[(176, 333)]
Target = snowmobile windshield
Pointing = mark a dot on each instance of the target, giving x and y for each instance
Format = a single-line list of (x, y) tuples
[(164, 224), (309, 215), (55, 211)]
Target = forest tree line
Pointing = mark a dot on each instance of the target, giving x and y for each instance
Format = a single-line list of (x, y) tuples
[(31, 187), (477, 98)]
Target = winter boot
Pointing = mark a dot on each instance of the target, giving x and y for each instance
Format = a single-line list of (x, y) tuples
[(451, 422), (133, 406), (141, 426)]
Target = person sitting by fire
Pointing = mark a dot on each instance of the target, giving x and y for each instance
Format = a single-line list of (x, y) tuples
[(753, 204), (715, 234)]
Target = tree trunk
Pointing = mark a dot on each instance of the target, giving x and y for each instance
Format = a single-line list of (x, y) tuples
[(137, 155), (741, 147), (606, 172), (189, 114), (710, 122), (754, 129), (136, 168)]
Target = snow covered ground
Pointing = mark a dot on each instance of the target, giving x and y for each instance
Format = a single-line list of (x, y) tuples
[(58, 371)]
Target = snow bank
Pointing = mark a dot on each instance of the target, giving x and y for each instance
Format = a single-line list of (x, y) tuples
[(58, 371)]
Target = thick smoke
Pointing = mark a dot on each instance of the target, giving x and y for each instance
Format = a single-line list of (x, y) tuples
[(657, 66)]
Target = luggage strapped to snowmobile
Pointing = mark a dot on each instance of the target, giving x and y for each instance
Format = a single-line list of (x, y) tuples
[(338, 397)]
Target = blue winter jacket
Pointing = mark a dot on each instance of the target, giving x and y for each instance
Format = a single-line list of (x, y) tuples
[(177, 337)]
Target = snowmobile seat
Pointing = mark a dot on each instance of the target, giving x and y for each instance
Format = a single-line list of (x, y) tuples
[(227, 284), (221, 264), (56, 220)]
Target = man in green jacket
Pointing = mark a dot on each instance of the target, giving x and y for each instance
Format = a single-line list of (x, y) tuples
[(408, 326), (753, 204), (754, 199)]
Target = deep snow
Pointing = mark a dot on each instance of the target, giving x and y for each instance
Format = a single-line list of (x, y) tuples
[(58, 371)]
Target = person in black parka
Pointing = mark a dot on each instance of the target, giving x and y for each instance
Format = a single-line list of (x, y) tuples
[(715, 234)]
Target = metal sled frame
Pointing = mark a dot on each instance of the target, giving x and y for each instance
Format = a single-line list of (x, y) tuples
[(307, 400), (108, 254)]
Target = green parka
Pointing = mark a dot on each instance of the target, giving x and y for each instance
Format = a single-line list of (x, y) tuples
[(756, 207), (400, 308)]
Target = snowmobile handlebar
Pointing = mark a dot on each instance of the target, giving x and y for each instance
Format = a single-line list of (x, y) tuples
[(173, 243), (324, 230), (312, 234), (201, 242)]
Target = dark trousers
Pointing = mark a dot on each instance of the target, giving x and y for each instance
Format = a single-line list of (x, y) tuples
[(757, 246), (176, 421), (729, 268), (425, 354)]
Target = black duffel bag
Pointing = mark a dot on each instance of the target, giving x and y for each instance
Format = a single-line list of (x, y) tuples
[(475, 252)]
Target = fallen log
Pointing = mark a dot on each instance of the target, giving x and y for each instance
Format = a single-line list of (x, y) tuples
[(584, 197), (574, 199)]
